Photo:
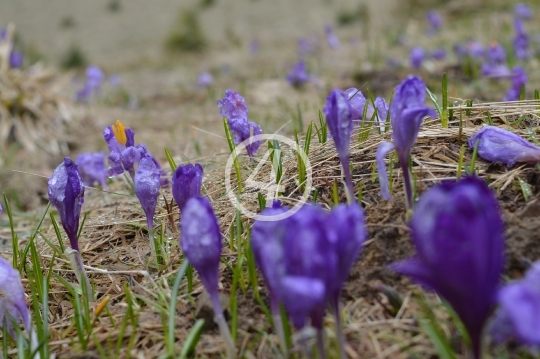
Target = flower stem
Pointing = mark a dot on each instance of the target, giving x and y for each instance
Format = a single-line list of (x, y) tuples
[(339, 329), (349, 190), (78, 267), (226, 334), (320, 343), (404, 164), (278, 324), (150, 225)]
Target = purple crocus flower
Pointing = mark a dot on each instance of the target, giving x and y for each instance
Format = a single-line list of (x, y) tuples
[(495, 70), (92, 85), (205, 80), (521, 41), (475, 50), (460, 51), (233, 107), (92, 167), (15, 60), (406, 114), (66, 193), (523, 11), (458, 234), (357, 102), (434, 20), (299, 76), (519, 79), (499, 145), (382, 112), (417, 57), (519, 313), (338, 115), (439, 54), (12, 303), (201, 242), (331, 37), (186, 183), (146, 184), (496, 54)]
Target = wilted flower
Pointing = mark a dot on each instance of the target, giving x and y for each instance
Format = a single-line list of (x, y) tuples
[(439, 54), (331, 37), (12, 302), (521, 41), (499, 145), (146, 185), (523, 11), (233, 107), (66, 193), (458, 234), (406, 114), (519, 312), (201, 242), (519, 79), (434, 20), (186, 183), (205, 79), (339, 120), (299, 76), (417, 57), (92, 167)]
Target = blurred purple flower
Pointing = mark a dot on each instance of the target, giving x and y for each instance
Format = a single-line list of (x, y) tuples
[(382, 112), (186, 183), (338, 114), (460, 51), (495, 70), (523, 11), (496, 54), (439, 54), (434, 20), (519, 312), (92, 167), (406, 114), (233, 107), (201, 242), (475, 50), (15, 60), (205, 80), (254, 47), (66, 193), (417, 56), (331, 37), (519, 79), (118, 138), (521, 41), (146, 185), (458, 234), (12, 302), (499, 145), (299, 76), (92, 84)]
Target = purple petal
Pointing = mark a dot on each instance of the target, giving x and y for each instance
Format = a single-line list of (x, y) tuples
[(146, 185), (300, 296), (186, 183), (339, 120), (253, 146), (382, 150), (233, 107), (92, 167), (498, 145), (357, 102), (13, 300), (382, 112), (417, 56)]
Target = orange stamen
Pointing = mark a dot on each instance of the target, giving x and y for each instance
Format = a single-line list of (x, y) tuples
[(119, 132)]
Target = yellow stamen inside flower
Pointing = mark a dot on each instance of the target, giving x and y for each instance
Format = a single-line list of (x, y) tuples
[(119, 132)]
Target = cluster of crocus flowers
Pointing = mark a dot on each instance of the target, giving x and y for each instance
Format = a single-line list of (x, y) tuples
[(305, 260), (406, 115), (66, 193), (518, 316), (233, 107), (92, 167), (496, 144), (458, 234), (201, 243)]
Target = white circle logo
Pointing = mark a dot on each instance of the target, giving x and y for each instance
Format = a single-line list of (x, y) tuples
[(270, 189)]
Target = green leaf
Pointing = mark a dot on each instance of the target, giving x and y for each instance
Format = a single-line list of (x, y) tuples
[(435, 103), (526, 189), (170, 159), (430, 326), (192, 339)]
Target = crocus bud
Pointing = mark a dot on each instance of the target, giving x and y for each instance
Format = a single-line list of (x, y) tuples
[(523, 11), (499, 145), (382, 112), (201, 243), (299, 76), (458, 234), (146, 185), (434, 20), (357, 102), (186, 183), (12, 302), (66, 193), (233, 107), (92, 166), (519, 312), (417, 57)]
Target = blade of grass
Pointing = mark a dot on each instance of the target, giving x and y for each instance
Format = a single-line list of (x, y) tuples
[(193, 338)]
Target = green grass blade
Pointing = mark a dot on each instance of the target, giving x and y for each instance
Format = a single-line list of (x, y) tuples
[(435, 103), (170, 159), (444, 113), (14, 237), (172, 306), (192, 339)]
